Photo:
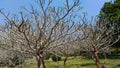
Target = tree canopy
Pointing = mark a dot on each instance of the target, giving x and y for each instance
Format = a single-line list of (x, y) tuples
[(111, 12)]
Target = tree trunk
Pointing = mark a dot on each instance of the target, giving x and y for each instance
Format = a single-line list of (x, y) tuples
[(65, 60), (96, 59), (43, 63), (57, 60), (39, 63)]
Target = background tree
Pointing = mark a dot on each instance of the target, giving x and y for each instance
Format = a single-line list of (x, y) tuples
[(8, 55), (66, 50), (38, 31), (111, 12), (10, 58), (95, 39)]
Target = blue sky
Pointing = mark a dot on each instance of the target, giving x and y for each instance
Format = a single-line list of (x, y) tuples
[(92, 7)]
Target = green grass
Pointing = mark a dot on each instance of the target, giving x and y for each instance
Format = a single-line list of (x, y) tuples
[(75, 63)]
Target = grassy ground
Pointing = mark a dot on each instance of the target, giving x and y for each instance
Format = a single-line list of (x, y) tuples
[(75, 63)]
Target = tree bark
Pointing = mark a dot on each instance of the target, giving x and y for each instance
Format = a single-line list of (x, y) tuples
[(43, 63), (39, 63), (97, 62), (65, 60), (57, 61)]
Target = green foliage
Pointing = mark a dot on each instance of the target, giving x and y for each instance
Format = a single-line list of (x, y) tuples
[(56, 58), (110, 12), (79, 53), (47, 56), (15, 59)]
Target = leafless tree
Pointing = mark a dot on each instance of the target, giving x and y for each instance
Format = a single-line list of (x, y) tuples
[(71, 47), (67, 50), (39, 30), (96, 38)]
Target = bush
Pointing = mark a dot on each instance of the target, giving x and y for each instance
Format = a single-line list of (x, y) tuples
[(56, 58), (47, 56), (79, 53), (15, 60), (3, 62)]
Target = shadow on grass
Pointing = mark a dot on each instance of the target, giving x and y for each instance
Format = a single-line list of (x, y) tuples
[(81, 65), (114, 56), (53, 66), (87, 64), (117, 66)]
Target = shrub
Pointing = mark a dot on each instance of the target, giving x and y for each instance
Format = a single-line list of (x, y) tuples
[(47, 56), (56, 58)]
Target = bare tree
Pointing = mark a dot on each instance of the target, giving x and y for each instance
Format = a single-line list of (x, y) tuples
[(38, 31), (71, 46), (96, 38), (67, 50)]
